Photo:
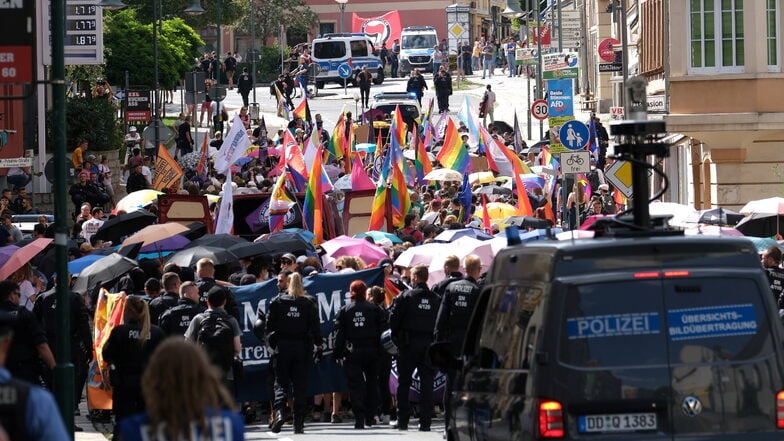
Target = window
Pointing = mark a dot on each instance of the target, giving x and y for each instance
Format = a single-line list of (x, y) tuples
[(329, 49), (359, 48), (716, 35), (326, 28), (772, 23)]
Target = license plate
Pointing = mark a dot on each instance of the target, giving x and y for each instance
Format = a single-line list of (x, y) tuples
[(618, 422)]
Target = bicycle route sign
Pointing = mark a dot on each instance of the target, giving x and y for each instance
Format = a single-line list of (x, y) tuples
[(574, 135), (576, 162)]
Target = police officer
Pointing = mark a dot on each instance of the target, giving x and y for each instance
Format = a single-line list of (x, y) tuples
[(45, 310), (358, 328), (394, 57), (245, 85), (205, 274), (457, 304), (412, 320), (452, 270), (293, 331), (167, 300), (30, 347), (176, 320), (27, 411), (771, 261)]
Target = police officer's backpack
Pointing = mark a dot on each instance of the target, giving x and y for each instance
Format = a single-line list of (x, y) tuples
[(217, 338)]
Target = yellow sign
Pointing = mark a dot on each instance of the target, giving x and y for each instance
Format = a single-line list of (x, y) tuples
[(456, 30), (619, 173), (555, 123)]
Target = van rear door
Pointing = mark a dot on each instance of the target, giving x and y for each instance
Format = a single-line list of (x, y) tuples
[(692, 353)]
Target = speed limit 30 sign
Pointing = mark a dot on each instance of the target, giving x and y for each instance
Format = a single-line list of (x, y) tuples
[(540, 109)]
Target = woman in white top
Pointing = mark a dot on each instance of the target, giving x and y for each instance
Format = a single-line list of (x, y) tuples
[(29, 285), (105, 174)]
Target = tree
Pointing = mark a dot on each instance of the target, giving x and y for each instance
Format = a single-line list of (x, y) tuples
[(129, 47), (90, 119), (231, 11), (294, 14)]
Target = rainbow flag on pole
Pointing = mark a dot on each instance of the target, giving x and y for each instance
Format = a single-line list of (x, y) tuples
[(313, 209), (453, 153)]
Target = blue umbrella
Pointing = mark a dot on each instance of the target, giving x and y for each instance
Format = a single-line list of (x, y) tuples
[(380, 235), (77, 265)]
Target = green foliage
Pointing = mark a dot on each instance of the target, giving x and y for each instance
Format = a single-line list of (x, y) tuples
[(129, 47), (268, 65), (230, 11), (296, 15), (94, 120)]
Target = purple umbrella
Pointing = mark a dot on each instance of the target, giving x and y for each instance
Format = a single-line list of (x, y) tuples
[(172, 243), (6, 252)]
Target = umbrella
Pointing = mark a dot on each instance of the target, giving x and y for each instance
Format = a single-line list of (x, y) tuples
[(349, 246), (76, 266), (130, 251), (22, 256), (712, 230), (6, 252), (527, 222), (679, 212), (719, 216), (252, 249), (575, 234), (137, 200), (763, 243), (287, 242), (453, 235), (379, 236), (173, 243), (306, 235), (764, 206), (156, 233), (588, 222), (539, 234), (124, 224), (444, 174), (195, 230), (411, 154), (224, 241), (485, 177), (493, 190), (192, 254), (365, 147), (422, 254), (542, 170), (344, 183), (461, 248), (760, 224), (101, 271), (501, 210)]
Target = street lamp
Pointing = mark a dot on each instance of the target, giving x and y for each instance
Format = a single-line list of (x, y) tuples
[(513, 11), (342, 7)]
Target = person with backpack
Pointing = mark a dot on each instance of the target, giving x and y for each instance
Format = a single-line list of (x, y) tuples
[(218, 333), (205, 280), (177, 320), (294, 334), (127, 351)]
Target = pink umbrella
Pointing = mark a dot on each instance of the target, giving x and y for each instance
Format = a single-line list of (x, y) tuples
[(588, 223), (349, 246), (22, 256), (422, 254), (461, 248)]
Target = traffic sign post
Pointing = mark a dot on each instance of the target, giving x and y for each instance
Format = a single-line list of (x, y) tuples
[(344, 71), (576, 162), (574, 135), (540, 110), (619, 174)]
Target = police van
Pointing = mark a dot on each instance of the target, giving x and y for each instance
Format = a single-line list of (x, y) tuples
[(417, 44), (355, 49), (638, 334)]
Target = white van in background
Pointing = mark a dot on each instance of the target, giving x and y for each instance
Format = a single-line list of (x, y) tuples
[(332, 50)]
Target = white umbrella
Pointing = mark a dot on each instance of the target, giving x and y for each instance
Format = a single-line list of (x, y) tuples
[(679, 212), (764, 206), (343, 183), (411, 154), (444, 174)]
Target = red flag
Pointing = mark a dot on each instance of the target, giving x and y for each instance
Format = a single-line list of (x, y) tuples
[(381, 29), (486, 216), (523, 203)]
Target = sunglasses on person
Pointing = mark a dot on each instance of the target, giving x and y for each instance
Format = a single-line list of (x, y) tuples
[(286, 261)]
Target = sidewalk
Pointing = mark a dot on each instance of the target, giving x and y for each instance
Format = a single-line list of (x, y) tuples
[(90, 432)]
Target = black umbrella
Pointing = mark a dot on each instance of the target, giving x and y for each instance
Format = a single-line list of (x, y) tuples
[(252, 249), (101, 271), (287, 242), (188, 257), (132, 250), (761, 225), (224, 241), (720, 216), (124, 225), (528, 222), (196, 230), (493, 189)]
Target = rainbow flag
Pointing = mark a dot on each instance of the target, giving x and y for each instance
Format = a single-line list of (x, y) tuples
[(421, 161), (279, 205), (453, 153), (283, 107), (336, 146), (582, 179), (313, 209), (201, 168), (379, 210), (398, 191), (523, 203), (303, 110), (398, 127), (348, 148)]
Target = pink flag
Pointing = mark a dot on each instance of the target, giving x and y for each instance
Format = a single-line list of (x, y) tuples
[(359, 178)]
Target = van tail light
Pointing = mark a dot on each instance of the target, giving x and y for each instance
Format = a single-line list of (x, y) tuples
[(551, 419), (779, 409)]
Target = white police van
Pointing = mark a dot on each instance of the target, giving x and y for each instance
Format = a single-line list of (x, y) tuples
[(332, 50), (417, 44)]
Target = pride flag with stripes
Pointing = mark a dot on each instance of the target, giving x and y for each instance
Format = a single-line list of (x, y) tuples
[(313, 209), (453, 153)]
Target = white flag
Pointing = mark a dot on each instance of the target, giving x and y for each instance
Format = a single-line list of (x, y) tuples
[(225, 220), (233, 148)]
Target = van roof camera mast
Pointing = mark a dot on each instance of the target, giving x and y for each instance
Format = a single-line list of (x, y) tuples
[(637, 139)]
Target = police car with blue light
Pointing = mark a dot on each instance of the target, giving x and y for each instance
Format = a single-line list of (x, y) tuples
[(639, 333), (355, 49)]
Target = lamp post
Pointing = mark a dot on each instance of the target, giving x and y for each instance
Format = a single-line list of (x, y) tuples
[(342, 8), (253, 47), (513, 11)]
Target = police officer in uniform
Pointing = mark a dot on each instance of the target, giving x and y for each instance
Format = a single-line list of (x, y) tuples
[(293, 331), (457, 305), (771, 261), (412, 320), (176, 320), (452, 270), (167, 300), (205, 273), (358, 328), (27, 412)]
